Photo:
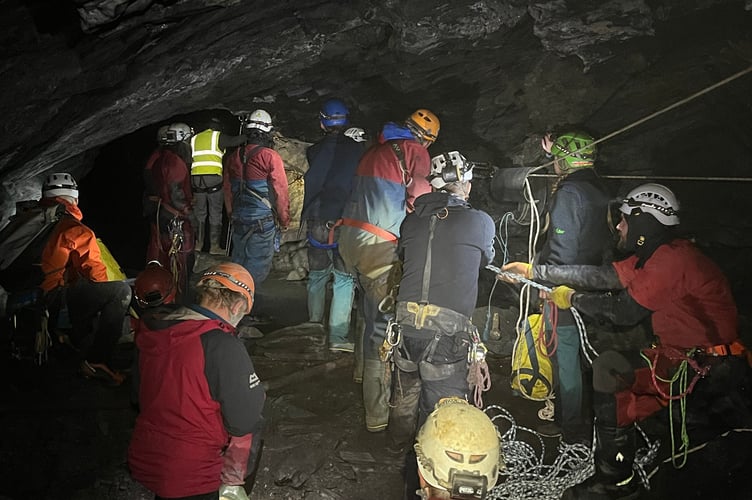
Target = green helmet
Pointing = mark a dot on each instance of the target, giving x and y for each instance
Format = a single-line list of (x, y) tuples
[(575, 148)]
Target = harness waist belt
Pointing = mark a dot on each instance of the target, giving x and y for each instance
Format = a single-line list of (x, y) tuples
[(735, 348), (371, 228), (432, 317)]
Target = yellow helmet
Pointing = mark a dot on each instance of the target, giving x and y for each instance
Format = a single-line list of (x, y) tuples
[(424, 125), (459, 449)]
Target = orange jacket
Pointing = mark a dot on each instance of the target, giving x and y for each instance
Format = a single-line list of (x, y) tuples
[(71, 251)]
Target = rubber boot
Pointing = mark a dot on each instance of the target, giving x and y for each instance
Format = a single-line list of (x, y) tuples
[(614, 477), (343, 291), (316, 286), (214, 246), (403, 412), (376, 383), (200, 233), (360, 327)]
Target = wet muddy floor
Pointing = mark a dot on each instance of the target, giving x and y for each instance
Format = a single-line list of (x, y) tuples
[(64, 437)]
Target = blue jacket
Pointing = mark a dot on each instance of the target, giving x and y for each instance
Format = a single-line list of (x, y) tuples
[(329, 180)]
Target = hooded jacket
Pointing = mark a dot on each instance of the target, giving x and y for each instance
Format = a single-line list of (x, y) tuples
[(198, 387), (462, 243), (71, 251)]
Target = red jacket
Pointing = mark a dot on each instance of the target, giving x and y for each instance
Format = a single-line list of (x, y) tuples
[(167, 179), (71, 251), (263, 170), (197, 388), (688, 294)]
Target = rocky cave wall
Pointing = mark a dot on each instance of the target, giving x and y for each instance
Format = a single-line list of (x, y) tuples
[(87, 82)]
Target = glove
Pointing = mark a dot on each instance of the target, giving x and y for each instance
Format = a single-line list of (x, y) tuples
[(521, 268), (227, 492), (235, 464), (562, 296)]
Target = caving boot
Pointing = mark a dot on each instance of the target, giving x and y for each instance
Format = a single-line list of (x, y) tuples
[(200, 233), (376, 385), (359, 332), (214, 246), (614, 478)]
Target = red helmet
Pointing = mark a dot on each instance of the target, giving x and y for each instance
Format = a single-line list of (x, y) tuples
[(154, 286)]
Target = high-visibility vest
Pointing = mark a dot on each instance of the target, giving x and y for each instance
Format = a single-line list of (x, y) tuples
[(207, 157)]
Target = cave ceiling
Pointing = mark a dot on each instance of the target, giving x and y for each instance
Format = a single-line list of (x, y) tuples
[(79, 75)]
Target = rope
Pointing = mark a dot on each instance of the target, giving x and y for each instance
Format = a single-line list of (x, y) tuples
[(675, 105), (479, 378), (526, 475), (680, 378)]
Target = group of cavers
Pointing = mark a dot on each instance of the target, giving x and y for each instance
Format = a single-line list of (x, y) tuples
[(385, 218)]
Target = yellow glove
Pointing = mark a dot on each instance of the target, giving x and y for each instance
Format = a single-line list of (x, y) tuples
[(521, 268), (562, 296)]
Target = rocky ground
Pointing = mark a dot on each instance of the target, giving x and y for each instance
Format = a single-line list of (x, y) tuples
[(64, 437)]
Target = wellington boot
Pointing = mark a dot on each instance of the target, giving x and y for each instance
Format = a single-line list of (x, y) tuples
[(214, 247), (376, 392), (200, 233), (598, 487)]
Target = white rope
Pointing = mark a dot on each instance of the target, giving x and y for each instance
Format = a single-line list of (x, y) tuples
[(527, 475)]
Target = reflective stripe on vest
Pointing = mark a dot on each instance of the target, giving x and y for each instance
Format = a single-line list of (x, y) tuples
[(207, 157)]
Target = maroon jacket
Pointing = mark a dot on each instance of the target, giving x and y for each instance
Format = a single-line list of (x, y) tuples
[(198, 388)]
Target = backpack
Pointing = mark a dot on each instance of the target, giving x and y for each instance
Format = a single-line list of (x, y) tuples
[(531, 368), (21, 243)]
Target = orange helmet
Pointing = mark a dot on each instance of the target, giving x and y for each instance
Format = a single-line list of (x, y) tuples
[(154, 286), (424, 125), (232, 276)]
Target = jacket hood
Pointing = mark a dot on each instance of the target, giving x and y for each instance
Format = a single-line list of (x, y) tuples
[(392, 131), (434, 203), (166, 328), (70, 208)]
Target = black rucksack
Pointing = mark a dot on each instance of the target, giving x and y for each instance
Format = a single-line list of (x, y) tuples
[(21, 243)]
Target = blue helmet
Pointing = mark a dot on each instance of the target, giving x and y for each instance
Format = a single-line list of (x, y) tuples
[(334, 113)]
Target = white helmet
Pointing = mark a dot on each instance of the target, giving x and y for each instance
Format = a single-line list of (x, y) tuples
[(178, 132), (450, 167), (459, 449), (259, 119), (60, 184), (655, 199)]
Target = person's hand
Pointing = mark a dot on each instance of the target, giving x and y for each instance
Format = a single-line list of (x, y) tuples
[(546, 142), (519, 268), (227, 492), (561, 296)]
